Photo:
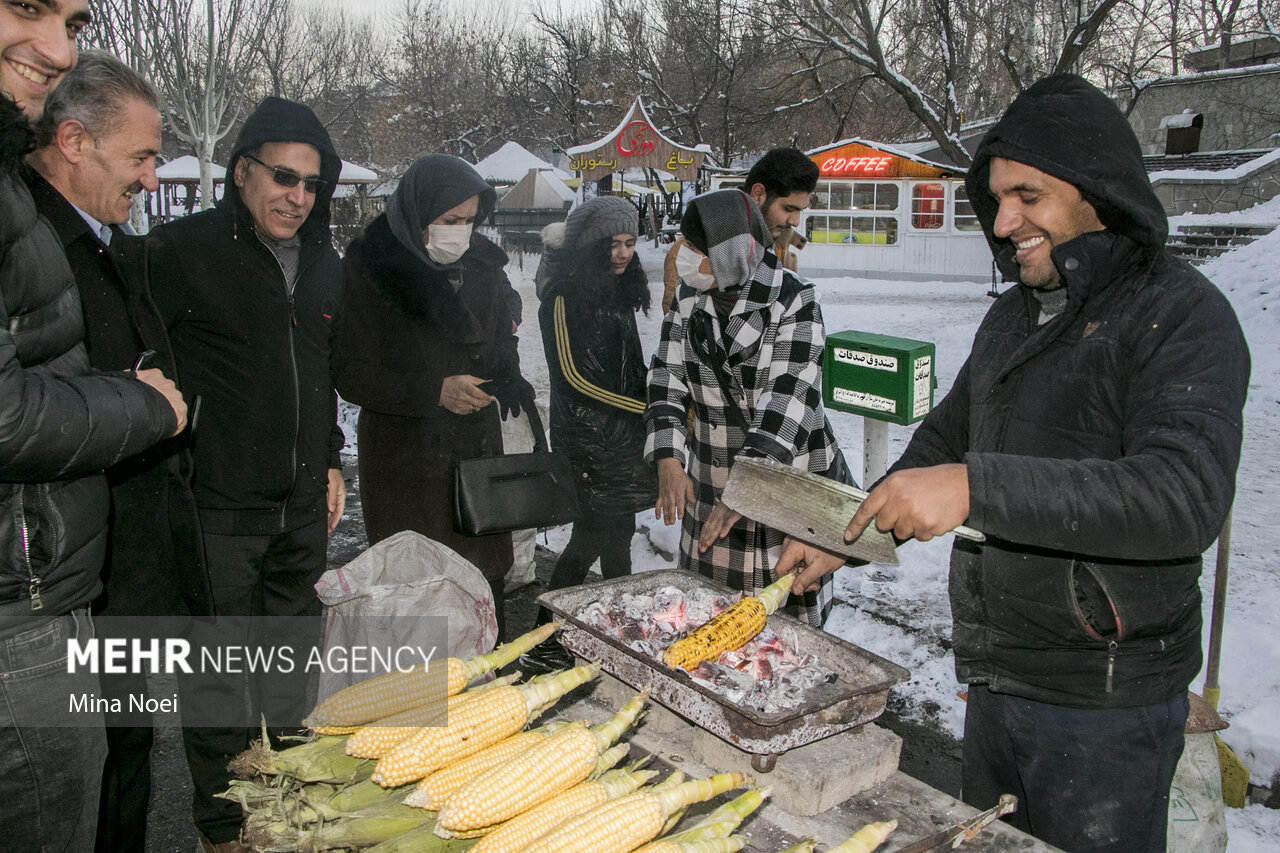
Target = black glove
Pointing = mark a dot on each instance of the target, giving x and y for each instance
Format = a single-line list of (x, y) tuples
[(513, 395)]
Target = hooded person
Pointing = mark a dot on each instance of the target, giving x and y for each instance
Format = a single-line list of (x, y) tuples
[(743, 345), (251, 293), (1093, 443), (593, 288), (429, 356)]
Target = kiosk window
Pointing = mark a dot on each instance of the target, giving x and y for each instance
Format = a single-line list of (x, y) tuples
[(926, 206), (964, 218), (874, 196), (861, 230)]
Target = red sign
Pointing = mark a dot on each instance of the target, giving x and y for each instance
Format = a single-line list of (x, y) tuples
[(856, 165), (636, 139)]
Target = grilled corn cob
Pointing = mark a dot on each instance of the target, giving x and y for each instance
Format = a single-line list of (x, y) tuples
[(623, 824), (531, 825), (393, 692), (500, 713), (866, 839), (729, 629), (518, 784)]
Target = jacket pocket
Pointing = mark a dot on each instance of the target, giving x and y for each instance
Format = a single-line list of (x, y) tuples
[(1093, 604)]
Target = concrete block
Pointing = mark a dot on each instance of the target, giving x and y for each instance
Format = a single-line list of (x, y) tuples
[(815, 777)]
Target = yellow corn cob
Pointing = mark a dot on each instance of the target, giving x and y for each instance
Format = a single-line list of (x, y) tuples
[(501, 713), (731, 844), (723, 821), (529, 826), (381, 736), (393, 692), (624, 824), (432, 791), (729, 629), (335, 731), (866, 839), (522, 782)]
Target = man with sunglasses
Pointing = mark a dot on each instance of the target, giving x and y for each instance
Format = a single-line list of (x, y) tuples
[(251, 293)]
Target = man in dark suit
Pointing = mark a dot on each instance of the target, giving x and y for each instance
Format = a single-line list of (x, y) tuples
[(97, 144)]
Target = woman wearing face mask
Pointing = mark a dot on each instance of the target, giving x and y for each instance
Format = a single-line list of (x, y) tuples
[(592, 287), (742, 344), (427, 352)]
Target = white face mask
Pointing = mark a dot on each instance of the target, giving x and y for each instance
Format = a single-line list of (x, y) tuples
[(687, 263), (447, 243)]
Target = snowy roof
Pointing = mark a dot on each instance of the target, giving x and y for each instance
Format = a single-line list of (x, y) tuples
[(537, 190), (353, 174), (1208, 165), (510, 163), (895, 150), (187, 168), (638, 106)]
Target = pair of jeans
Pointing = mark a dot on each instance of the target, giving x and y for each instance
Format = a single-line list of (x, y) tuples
[(50, 757), (264, 593), (1087, 780)]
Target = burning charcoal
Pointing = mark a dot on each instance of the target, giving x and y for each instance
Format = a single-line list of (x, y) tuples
[(631, 633)]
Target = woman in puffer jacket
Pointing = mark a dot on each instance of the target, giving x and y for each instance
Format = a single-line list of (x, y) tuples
[(591, 286)]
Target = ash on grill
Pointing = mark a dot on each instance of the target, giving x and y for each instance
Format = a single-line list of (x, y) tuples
[(768, 674)]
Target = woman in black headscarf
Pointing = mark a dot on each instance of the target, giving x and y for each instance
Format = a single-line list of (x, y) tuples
[(426, 326)]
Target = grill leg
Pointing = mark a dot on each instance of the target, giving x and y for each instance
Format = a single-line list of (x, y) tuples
[(763, 763)]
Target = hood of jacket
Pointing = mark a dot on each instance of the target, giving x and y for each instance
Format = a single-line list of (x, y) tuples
[(16, 136), (278, 120), (1067, 128), (431, 186)]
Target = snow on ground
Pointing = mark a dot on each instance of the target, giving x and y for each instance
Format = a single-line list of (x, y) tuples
[(901, 612)]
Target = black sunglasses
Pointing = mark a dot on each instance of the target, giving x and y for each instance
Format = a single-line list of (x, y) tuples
[(285, 178)]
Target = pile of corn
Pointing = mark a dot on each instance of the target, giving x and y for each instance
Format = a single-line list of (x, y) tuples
[(392, 783)]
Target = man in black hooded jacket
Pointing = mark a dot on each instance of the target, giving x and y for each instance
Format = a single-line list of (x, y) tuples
[(251, 292), (1093, 436)]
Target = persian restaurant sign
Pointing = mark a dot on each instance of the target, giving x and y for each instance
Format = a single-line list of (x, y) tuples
[(636, 144), (855, 160)]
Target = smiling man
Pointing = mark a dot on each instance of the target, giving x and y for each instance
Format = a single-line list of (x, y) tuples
[(251, 292), (63, 424), (98, 140), (1095, 445)]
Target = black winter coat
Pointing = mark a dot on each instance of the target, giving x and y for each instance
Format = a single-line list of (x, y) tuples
[(1101, 446), (598, 391), (155, 560), (63, 424), (258, 358), (406, 330)]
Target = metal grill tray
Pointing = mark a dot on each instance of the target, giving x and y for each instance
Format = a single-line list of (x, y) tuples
[(857, 696)]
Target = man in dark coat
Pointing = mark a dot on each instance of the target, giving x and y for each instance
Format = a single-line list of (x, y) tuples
[(251, 292), (63, 424), (1094, 442), (97, 144)]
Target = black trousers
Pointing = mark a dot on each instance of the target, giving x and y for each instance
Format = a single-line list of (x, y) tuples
[(264, 592), (1087, 781), (126, 775), (603, 537)]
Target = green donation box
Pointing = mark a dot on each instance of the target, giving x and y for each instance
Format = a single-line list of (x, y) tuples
[(878, 376)]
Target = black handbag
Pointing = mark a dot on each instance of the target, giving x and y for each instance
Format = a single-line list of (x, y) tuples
[(515, 491)]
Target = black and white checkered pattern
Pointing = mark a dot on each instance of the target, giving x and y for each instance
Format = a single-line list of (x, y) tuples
[(772, 354)]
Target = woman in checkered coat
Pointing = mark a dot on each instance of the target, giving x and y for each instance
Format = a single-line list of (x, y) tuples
[(741, 346)]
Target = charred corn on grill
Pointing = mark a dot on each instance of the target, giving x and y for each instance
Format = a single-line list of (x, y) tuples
[(857, 696)]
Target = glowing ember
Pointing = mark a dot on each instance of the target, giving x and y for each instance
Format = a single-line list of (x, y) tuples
[(768, 674)]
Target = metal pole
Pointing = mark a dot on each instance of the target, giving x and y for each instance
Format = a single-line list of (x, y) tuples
[(1213, 690), (875, 446)]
